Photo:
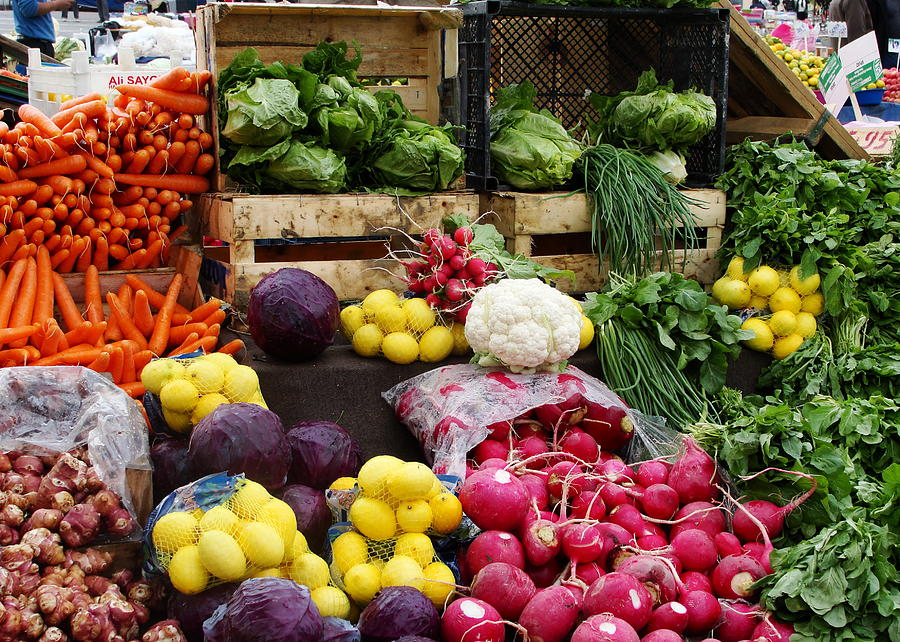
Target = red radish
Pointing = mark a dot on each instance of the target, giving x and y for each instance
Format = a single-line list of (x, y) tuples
[(531, 516), (568, 475), (494, 463), (446, 247), (577, 591), (652, 542), (583, 542), (662, 635), (702, 515), (471, 620), (531, 447), (589, 573), (656, 575), (734, 575), (494, 499), (704, 611), (500, 430), (759, 551), (618, 535), (494, 546), (454, 290), (505, 587), (694, 474), (738, 621), (613, 495), (771, 630), (431, 237), (580, 444), (432, 299), (660, 501), (463, 235), (652, 472), (611, 427), (694, 581), (588, 505), (550, 615), (605, 627), (621, 594), (671, 615), (754, 550), (541, 541), (630, 518), (551, 416), (525, 428), (458, 262), (616, 470), (727, 544), (545, 575), (770, 515), (536, 487), (490, 449), (695, 549), (475, 266)]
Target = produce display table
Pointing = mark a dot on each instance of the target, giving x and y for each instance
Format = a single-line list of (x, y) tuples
[(342, 387)]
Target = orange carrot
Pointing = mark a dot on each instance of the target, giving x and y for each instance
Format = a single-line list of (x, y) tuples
[(95, 333), (23, 308), (143, 316), (213, 331), (79, 334), (17, 334), (10, 244), (179, 334), (101, 254), (43, 303), (84, 259), (74, 102), (60, 256), (160, 337), (202, 311), (171, 78), (189, 340), (74, 356), (232, 347), (130, 262), (67, 165), (133, 389), (92, 109), (52, 335), (66, 303), (126, 325), (78, 246), (116, 362), (141, 359), (20, 187), (36, 117), (19, 356), (156, 299), (208, 344), (100, 364), (92, 301), (204, 164), (178, 182), (216, 317), (7, 175), (186, 103), (128, 372), (124, 295)]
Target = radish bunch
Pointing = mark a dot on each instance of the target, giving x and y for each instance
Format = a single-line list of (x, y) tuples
[(575, 544), (448, 274)]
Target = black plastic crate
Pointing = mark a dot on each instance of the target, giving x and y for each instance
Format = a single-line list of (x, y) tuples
[(568, 51)]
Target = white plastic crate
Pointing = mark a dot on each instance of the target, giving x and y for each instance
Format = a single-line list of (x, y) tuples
[(50, 85)]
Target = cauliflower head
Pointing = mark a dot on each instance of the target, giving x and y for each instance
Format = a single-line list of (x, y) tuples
[(523, 324)]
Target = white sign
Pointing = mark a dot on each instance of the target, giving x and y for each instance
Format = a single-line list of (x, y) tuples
[(876, 140), (894, 45), (836, 29), (856, 61)]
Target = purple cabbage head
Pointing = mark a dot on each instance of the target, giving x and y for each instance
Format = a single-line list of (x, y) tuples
[(293, 314), (267, 609), (311, 509), (338, 630), (397, 611), (241, 438), (170, 466), (322, 452), (192, 611)]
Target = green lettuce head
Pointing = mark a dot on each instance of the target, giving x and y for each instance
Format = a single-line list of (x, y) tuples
[(309, 168), (421, 158), (263, 113), (350, 123)]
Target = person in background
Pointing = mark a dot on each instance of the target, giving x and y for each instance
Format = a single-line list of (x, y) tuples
[(856, 13), (34, 24), (886, 20)]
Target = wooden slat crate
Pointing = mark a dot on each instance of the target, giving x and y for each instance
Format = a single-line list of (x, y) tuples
[(339, 237), (398, 43), (554, 230)]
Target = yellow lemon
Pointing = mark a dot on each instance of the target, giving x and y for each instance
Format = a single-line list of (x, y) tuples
[(375, 300), (222, 556), (439, 583), (248, 499), (174, 530), (298, 547), (268, 572), (225, 362), (460, 344), (179, 395), (417, 546), (391, 318), (587, 333), (177, 421), (348, 550), (206, 405), (735, 269), (186, 571), (401, 570), (262, 544), (159, 372), (783, 323), (414, 516), (372, 476), (764, 338), (758, 302), (806, 325), (813, 303), (804, 286), (331, 602), (419, 315), (219, 518), (282, 518), (343, 483), (373, 518), (785, 299), (446, 512), (241, 383), (352, 319), (400, 347), (763, 280), (362, 582), (412, 480), (785, 346), (367, 340), (206, 376), (436, 344), (310, 570), (735, 294)]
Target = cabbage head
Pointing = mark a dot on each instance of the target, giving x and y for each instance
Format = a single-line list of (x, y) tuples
[(420, 158), (351, 121), (530, 149), (309, 168), (263, 113)]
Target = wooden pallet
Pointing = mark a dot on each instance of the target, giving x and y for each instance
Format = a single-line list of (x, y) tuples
[(398, 43), (554, 230), (339, 237)]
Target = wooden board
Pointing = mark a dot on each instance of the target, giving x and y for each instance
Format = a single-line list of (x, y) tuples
[(761, 85), (560, 221), (403, 43), (342, 238)]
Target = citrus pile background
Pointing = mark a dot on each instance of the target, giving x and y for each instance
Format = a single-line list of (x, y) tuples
[(399, 504), (794, 304), (190, 389), (803, 64)]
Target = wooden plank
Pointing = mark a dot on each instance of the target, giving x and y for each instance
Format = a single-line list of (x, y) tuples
[(766, 127), (558, 213), (234, 217)]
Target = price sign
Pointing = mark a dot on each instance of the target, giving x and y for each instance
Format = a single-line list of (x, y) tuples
[(876, 140), (864, 74), (836, 29), (853, 67), (894, 45)]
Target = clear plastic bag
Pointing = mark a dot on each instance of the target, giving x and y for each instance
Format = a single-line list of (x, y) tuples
[(56, 409), (448, 409)]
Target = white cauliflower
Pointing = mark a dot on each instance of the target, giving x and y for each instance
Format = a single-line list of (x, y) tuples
[(523, 324)]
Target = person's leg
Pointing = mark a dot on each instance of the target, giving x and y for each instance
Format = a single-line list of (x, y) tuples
[(45, 46)]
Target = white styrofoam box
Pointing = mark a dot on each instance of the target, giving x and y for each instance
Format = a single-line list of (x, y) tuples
[(50, 85)]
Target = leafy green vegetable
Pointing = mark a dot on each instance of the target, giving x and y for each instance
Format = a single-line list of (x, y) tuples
[(263, 113), (420, 158), (653, 117), (530, 149)]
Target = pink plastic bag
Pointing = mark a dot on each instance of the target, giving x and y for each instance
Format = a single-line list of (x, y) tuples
[(448, 409)]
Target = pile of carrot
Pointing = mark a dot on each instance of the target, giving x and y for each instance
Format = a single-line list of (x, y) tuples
[(137, 324), (105, 185)]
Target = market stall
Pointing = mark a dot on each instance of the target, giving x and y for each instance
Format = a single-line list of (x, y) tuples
[(458, 323)]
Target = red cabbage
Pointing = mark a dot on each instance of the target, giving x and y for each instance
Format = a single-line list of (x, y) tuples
[(414, 638), (267, 609), (311, 509), (322, 452), (397, 611), (241, 438), (293, 314), (170, 467), (192, 611), (338, 630)]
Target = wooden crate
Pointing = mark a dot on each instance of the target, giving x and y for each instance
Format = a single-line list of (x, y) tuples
[(339, 237), (403, 43), (554, 230)]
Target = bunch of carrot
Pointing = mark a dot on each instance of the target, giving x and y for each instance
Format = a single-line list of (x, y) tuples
[(105, 185), (120, 340)]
